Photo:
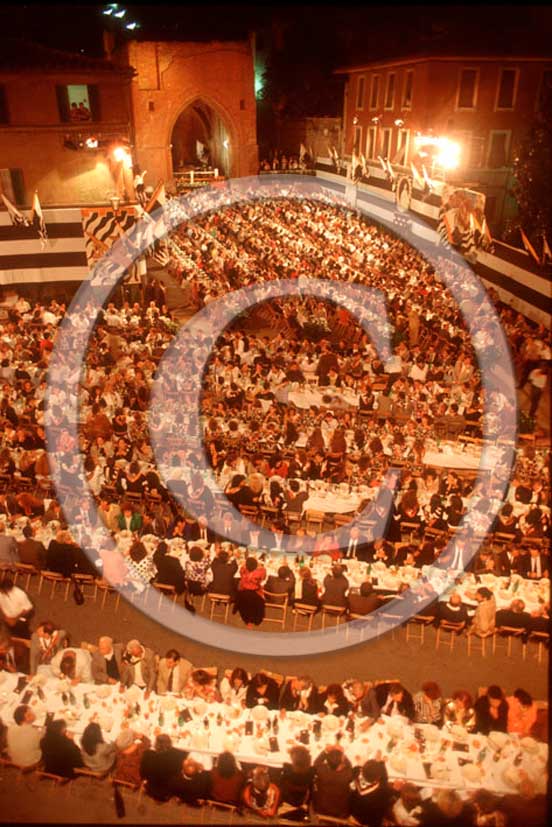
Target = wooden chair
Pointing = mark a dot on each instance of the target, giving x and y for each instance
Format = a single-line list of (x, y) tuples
[(292, 520), (84, 772), (216, 601), (268, 513), (419, 623), (25, 570), (511, 632), (107, 588), (88, 585), (209, 808), (337, 612), (454, 630), (361, 628), (408, 529), (57, 780), (542, 640), (165, 590), (249, 511), (279, 604), (55, 579), (303, 610), (474, 636), (340, 520), (314, 519), (128, 785)]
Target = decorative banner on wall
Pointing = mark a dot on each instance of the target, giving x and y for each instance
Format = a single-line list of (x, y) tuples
[(102, 226), (462, 222)]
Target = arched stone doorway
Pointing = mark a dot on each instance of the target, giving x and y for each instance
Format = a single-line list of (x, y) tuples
[(199, 125)]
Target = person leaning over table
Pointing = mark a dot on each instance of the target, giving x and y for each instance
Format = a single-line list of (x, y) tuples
[(23, 739), (297, 778), (14, 656), (299, 694), (173, 672), (46, 641), (107, 661), (459, 710), (428, 704), (61, 756), (201, 684), (522, 712), (191, 783), (234, 689), (260, 794), (332, 701), (139, 666), (262, 690), (73, 664), (491, 711), (97, 754)]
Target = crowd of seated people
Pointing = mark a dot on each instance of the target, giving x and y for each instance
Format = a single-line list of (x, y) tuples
[(329, 784)]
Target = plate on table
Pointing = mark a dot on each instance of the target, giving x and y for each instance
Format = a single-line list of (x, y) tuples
[(512, 777), (529, 745), (471, 773), (200, 706), (260, 713), (103, 691), (330, 723), (398, 763), (439, 771), (498, 740), (460, 733), (431, 733)]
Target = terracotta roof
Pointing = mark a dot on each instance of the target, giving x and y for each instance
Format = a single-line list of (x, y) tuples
[(18, 55)]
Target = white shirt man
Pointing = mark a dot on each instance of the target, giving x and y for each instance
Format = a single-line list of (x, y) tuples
[(23, 739)]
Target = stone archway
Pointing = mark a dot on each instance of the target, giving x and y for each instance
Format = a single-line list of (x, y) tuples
[(200, 124)]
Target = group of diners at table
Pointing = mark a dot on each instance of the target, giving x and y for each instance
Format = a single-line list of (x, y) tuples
[(327, 782)]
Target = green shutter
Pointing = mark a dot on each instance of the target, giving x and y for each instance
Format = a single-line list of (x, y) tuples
[(94, 100), (63, 103)]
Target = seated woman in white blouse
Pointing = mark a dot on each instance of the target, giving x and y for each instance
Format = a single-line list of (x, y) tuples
[(15, 607), (233, 689)]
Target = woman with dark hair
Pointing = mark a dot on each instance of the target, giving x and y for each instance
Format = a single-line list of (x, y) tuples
[(332, 701), (262, 691), (97, 755), (336, 587), (522, 713), (226, 780), (455, 510), (491, 711), (202, 685), (309, 588), (198, 571), (140, 566), (234, 688), (459, 710), (60, 755), (297, 777), (249, 599)]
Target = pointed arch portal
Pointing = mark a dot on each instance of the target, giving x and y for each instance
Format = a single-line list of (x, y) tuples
[(198, 124)]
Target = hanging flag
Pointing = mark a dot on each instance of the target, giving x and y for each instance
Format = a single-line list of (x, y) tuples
[(418, 180), (200, 150), (390, 170), (546, 252), (17, 218), (353, 165), (302, 152), (37, 220), (445, 228), (158, 198), (364, 165), (427, 179), (528, 246)]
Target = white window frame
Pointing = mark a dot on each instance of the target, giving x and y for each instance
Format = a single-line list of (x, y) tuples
[(406, 133), (357, 145), (361, 80), (376, 79), (387, 80), (408, 73), (475, 91), (372, 156), (386, 130), (514, 96), (508, 133)]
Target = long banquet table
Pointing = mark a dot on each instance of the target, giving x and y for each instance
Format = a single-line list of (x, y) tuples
[(423, 754)]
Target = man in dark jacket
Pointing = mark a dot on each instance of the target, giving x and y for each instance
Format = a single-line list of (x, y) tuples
[(365, 602), (224, 575), (394, 699), (169, 570), (515, 617), (160, 766), (284, 583), (191, 784), (331, 788), (107, 661), (491, 711), (31, 551), (453, 611), (371, 793)]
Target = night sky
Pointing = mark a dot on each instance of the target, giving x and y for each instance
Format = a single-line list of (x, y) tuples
[(343, 31)]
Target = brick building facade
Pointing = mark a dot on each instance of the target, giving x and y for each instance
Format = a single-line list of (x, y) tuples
[(486, 104)]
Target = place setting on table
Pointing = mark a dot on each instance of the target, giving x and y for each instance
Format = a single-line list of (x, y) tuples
[(420, 753)]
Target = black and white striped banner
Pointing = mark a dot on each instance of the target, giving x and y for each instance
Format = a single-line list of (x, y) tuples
[(102, 227)]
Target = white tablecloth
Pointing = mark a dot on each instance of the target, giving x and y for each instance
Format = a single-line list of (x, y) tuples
[(217, 727)]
